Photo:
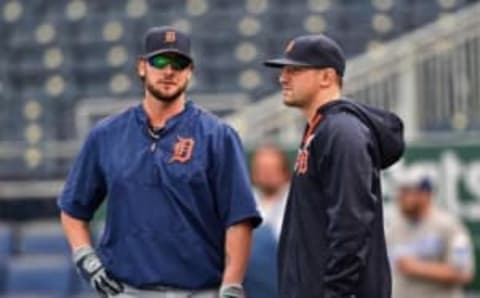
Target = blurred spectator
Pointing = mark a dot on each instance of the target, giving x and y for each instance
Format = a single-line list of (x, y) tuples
[(431, 252), (270, 176), (270, 172)]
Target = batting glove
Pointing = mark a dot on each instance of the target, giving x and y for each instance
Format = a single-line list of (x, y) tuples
[(92, 270), (232, 291)]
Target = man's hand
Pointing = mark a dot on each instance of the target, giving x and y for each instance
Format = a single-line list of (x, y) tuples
[(92, 270), (232, 291)]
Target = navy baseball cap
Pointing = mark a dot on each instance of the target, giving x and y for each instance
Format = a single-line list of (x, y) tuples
[(165, 39), (424, 184), (314, 51)]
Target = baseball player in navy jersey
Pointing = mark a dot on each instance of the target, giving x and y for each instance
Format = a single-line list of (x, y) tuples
[(332, 243), (179, 207)]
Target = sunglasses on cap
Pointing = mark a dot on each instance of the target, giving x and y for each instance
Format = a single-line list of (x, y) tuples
[(162, 61)]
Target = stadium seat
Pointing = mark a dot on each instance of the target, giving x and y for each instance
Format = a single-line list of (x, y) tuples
[(6, 240), (286, 30), (417, 13), (21, 32), (27, 55), (227, 5), (223, 79), (26, 75), (159, 15), (37, 238), (38, 275), (94, 80), (108, 28), (6, 246), (107, 7), (93, 52)]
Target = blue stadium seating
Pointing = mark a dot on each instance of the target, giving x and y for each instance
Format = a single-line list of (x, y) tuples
[(38, 275), (6, 248), (6, 241), (84, 45), (42, 238), (80, 288), (221, 5)]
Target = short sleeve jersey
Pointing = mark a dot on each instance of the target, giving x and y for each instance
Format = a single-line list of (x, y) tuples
[(170, 198)]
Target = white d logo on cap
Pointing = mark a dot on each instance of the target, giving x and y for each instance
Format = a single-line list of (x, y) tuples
[(170, 37)]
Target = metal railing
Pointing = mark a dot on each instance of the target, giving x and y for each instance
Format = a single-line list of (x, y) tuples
[(430, 77)]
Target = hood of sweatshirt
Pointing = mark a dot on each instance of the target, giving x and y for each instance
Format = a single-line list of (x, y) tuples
[(386, 127)]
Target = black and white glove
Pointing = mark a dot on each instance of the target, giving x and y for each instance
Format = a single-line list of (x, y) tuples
[(232, 291), (92, 270)]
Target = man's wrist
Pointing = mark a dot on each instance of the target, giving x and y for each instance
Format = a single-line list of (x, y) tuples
[(82, 251), (86, 259), (232, 290)]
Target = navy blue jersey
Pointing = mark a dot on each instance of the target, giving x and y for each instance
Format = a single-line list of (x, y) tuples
[(169, 199), (333, 242)]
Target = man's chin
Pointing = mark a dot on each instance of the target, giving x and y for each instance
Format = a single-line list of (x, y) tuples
[(289, 103), (166, 97)]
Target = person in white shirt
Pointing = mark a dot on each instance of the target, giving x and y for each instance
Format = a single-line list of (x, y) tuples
[(270, 174)]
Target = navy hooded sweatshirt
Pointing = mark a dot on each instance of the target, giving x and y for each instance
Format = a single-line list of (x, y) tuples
[(333, 242)]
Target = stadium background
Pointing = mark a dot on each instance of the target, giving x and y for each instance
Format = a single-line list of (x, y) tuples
[(66, 64)]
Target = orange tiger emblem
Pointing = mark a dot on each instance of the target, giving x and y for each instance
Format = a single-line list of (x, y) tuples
[(182, 150), (301, 163)]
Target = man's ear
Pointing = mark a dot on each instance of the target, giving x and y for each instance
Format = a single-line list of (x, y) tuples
[(327, 76), (141, 67), (191, 71), (192, 67)]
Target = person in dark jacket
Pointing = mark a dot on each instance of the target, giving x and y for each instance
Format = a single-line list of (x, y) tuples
[(332, 242)]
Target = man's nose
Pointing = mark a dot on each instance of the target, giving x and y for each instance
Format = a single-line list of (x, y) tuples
[(168, 70)]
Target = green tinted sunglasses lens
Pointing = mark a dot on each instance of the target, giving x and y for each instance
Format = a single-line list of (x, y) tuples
[(181, 63), (159, 61), (177, 63)]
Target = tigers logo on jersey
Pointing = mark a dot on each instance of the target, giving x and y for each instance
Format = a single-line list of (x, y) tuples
[(301, 163), (170, 37), (182, 150)]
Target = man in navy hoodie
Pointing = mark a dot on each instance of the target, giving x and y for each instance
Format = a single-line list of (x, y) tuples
[(333, 243)]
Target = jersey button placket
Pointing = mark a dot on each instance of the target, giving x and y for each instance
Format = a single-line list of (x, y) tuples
[(155, 135), (155, 138)]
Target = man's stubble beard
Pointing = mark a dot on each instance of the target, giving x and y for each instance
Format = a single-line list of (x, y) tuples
[(160, 96)]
